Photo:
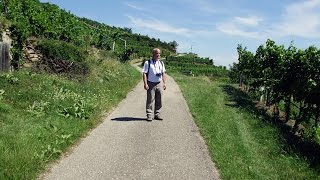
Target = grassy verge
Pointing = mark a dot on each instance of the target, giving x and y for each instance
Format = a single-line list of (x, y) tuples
[(242, 143), (41, 115)]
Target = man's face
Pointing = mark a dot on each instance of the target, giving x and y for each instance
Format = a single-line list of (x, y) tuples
[(156, 54)]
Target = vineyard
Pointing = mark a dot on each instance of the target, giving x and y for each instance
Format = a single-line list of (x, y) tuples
[(190, 64), (82, 73), (30, 18), (288, 79)]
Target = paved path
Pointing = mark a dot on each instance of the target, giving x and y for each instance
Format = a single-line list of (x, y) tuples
[(126, 146)]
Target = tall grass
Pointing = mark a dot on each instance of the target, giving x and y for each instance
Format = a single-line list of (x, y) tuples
[(242, 143), (42, 114)]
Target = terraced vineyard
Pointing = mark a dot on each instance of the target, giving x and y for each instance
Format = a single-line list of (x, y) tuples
[(190, 64)]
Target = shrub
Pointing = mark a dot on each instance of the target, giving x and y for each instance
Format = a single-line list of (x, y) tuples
[(54, 49), (62, 57)]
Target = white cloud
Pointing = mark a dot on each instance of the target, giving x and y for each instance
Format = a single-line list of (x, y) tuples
[(234, 29), (247, 27), (300, 19), (250, 21), (134, 6), (159, 26)]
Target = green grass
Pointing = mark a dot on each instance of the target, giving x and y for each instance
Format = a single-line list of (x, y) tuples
[(41, 115), (243, 144)]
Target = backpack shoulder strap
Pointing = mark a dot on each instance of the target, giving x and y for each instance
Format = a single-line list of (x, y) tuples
[(149, 62)]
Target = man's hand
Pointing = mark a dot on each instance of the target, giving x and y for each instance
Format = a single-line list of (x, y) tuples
[(164, 87), (146, 87)]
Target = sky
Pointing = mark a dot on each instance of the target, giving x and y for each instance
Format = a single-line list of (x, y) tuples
[(209, 28)]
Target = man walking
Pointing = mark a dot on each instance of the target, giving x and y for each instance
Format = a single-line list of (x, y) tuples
[(153, 74)]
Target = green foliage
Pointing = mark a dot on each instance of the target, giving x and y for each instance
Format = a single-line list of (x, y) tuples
[(80, 109), (243, 144), (194, 66), (45, 20), (1, 93), (286, 75), (189, 58), (37, 108), (53, 149), (62, 57), (234, 73), (54, 49), (174, 44), (44, 114), (32, 134), (317, 132), (4, 23), (124, 55), (10, 78)]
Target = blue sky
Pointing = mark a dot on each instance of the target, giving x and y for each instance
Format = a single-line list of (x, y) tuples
[(210, 28)]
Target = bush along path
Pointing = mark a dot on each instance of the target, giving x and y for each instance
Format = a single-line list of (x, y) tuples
[(126, 146)]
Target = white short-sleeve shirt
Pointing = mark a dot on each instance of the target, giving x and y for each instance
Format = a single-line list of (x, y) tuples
[(156, 67)]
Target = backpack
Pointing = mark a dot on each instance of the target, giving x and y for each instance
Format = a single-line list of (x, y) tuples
[(149, 62)]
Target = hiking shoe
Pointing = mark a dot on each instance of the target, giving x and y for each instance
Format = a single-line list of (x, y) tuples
[(158, 118), (149, 118)]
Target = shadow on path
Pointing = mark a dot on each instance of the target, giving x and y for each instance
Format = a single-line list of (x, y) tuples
[(307, 149), (128, 119)]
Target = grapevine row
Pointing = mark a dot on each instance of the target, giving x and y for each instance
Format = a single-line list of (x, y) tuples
[(190, 64), (288, 76)]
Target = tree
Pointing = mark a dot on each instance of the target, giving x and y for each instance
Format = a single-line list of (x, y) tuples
[(128, 30), (174, 45)]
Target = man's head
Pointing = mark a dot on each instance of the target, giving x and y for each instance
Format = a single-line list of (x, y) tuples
[(156, 53)]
